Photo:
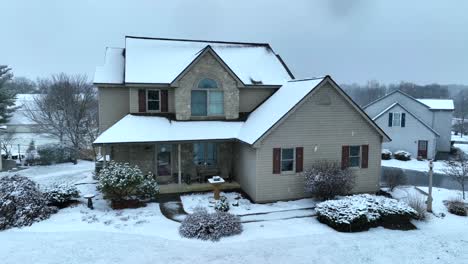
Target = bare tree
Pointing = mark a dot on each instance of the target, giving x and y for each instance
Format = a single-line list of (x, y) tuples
[(7, 140), (457, 168), (67, 109)]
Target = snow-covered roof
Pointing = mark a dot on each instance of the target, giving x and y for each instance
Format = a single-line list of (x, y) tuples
[(438, 104), (133, 128), (112, 72)]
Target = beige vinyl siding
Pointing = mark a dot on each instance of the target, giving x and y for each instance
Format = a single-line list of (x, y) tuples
[(322, 129), (134, 99), (245, 167), (250, 98), (113, 105)]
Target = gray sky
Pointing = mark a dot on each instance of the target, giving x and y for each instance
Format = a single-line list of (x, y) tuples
[(424, 41)]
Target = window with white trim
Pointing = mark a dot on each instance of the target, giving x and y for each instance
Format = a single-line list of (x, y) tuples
[(207, 99), (354, 156), (153, 100), (396, 119), (287, 159)]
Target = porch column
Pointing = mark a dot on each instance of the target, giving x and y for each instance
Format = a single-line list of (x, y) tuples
[(103, 153), (179, 163)]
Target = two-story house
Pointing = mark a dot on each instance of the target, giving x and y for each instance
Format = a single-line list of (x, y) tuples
[(419, 126), (187, 109)]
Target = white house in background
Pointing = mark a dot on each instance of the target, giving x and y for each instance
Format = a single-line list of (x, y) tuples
[(21, 130), (419, 126)]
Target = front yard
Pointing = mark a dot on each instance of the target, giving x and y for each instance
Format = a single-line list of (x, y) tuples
[(80, 235)]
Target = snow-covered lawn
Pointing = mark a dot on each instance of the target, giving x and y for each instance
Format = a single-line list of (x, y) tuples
[(462, 147), (459, 138), (415, 164), (144, 235)]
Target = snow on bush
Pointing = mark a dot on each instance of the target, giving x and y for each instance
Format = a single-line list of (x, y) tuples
[(55, 153), (61, 194), (327, 179), (210, 226), (418, 203), (21, 202), (402, 155), (222, 205), (386, 154), (120, 181), (457, 207), (360, 212)]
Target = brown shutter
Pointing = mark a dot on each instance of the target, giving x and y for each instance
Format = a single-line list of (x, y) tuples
[(344, 157), (299, 159), (164, 100), (141, 100), (276, 160), (365, 156)]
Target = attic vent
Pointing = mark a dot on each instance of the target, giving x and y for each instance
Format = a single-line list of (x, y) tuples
[(255, 82)]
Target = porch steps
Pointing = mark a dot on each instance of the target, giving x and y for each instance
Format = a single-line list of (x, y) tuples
[(278, 215), (195, 187)]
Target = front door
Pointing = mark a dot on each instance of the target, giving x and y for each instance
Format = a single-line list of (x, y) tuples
[(422, 148), (164, 159)]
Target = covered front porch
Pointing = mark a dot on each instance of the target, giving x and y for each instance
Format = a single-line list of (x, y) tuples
[(179, 166)]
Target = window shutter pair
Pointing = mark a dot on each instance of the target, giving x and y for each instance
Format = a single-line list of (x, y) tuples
[(277, 160), (364, 156), (142, 100)]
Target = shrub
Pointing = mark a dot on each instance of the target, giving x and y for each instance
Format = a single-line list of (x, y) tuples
[(386, 154), (326, 179), (361, 212), (418, 203), (206, 226), (222, 205), (61, 195), (55, 153), (402, 155), (21, 202), (394, 177), (457, 207), (120, 181)]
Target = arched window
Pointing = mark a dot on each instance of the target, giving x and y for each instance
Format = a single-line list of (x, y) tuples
[(207, 99), (207, 84)]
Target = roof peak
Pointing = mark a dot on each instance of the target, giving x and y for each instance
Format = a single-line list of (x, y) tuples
[(204, 41), (308, 79)]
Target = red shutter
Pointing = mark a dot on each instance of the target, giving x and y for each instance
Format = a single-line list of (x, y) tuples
[(141, 100), (164, 101), (344, 157), (365, 156), (299, 159), (276, 160)]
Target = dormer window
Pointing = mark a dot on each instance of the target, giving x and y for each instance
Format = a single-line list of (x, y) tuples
[(207, 99)]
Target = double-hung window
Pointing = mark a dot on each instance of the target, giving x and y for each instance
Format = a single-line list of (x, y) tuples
[(153, 100), (354, 156), (396, 119), (207, 99), (287, 159)]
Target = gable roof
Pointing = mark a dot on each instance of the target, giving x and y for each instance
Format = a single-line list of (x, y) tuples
[(432, 104), (112, 72), (260, 121), (160, 61), (409, 112)]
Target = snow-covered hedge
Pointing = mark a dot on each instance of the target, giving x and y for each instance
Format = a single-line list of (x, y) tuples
[(326, 179), (222, 205), (361, 212), (120, 181), (21, 202), (206, 226), (402, 155), (457, 207), (386, 154), (61, 194)]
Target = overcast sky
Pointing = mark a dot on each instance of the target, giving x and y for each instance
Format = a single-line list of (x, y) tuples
[(423, 41)]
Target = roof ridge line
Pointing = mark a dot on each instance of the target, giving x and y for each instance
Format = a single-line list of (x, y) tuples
[(308, 79), (202, 40)]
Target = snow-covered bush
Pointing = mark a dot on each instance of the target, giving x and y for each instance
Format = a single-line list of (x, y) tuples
[(222, 205), (120, 181), (21, 202), (394, 177), (418, 203), (55, 153), (386, 154), (206, 226), (457, 207), (402, 155), (326, 179), (361, 212), (61, 195)]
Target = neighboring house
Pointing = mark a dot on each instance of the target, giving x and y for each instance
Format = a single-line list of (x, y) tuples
[(186, 109), (21, 130), (419, 126)]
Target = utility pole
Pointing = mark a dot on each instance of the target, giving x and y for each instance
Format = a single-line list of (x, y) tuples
[(429, 197)]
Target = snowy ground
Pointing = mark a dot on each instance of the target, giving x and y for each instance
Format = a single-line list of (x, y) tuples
[(144, 235), (415, 164), (459, 138)]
